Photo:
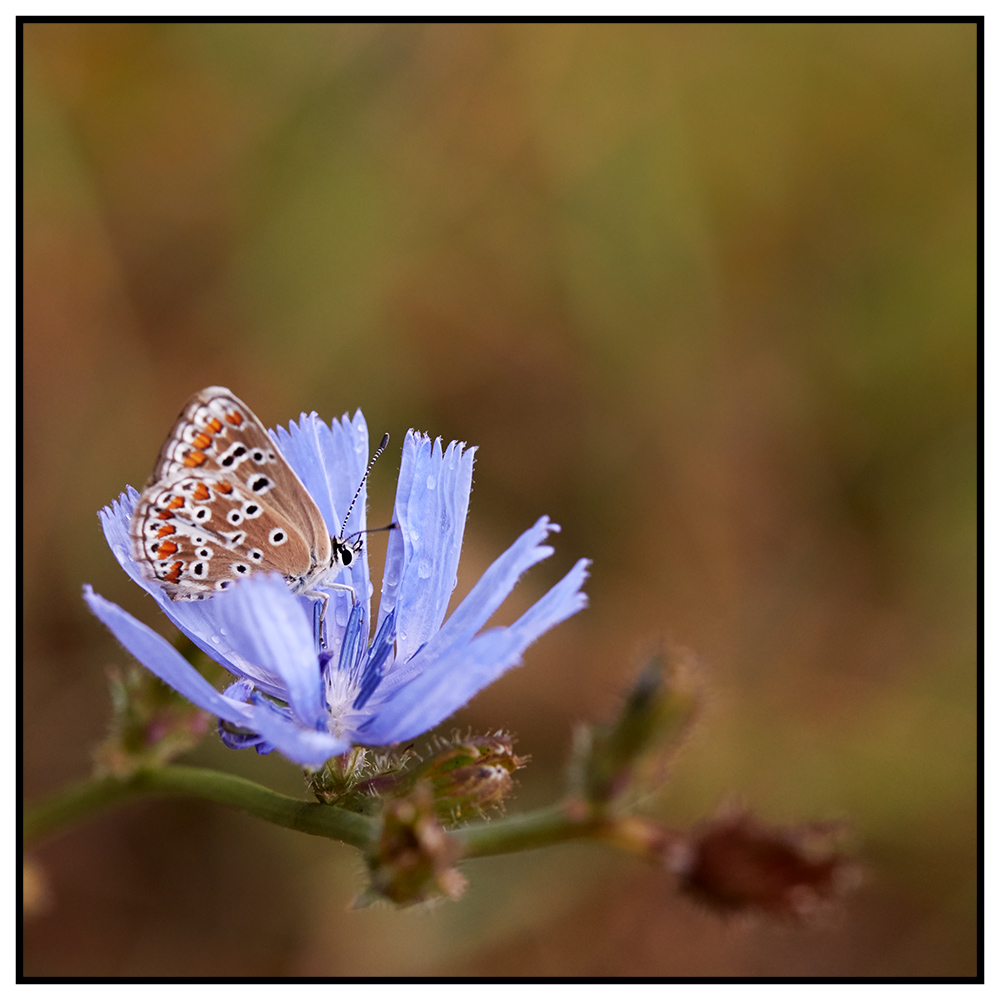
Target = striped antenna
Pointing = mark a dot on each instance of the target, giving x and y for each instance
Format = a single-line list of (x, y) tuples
[(378, 451)]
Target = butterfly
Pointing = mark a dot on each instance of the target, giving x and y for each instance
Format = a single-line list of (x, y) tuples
[(223, 503)]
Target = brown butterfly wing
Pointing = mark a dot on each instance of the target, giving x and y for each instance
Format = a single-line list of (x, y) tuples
[(223, 502)]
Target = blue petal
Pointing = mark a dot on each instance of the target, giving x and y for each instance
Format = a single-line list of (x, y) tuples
[(308, 747), (331, 460), (432, 503), (491, 590), (267, 626), (444, 684), (156, 654)]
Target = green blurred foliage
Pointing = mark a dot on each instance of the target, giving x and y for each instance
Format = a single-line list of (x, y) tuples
[(705, 294)]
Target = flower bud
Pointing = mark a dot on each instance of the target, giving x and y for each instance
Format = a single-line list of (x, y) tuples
[(655, 717), (150, 724), (471, 775), (413, 859), (736, 863)]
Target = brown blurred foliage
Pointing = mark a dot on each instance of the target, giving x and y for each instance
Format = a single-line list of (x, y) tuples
[(705, 294)]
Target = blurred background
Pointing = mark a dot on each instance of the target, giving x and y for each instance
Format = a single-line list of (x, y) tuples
[(704, 294)]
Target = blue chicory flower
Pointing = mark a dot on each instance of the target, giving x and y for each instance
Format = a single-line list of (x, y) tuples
[(312, 702)]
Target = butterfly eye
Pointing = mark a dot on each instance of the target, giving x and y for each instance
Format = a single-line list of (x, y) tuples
[(346, 556)]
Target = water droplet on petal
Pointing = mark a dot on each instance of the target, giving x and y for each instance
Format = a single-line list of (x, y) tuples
[(216, 639), (424, 569)]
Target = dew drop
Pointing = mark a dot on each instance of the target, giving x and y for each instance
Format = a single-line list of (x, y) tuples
[(424, 569), (391, 579), (216, 639)]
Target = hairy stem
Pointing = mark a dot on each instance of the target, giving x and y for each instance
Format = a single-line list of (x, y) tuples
[(539, 828), (81, 800)]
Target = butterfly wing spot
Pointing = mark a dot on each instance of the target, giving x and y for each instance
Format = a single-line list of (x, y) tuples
[(197, 526), (233, 455), (259, 484)]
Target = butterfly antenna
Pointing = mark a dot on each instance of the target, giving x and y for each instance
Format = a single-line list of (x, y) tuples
[(378, 451)]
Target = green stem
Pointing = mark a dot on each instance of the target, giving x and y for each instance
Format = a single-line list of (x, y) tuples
[(540, 828), (78, 801)]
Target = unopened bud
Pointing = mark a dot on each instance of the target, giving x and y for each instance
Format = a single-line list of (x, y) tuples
[(736, 863), (655, 717), (414, 858), (150, 724), (470, 775)]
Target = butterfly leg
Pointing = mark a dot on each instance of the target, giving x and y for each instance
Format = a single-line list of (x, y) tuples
[(319, 621)]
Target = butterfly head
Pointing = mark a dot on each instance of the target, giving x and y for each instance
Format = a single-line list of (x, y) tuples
[(345, 550)]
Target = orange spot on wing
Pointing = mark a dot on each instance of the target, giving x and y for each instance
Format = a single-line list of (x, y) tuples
[(201, 492), (224, 487), (201, 440), (167, 529), (165, 549), (235, 418), (194, 458), (174, 503), (214, 425), (175, 572)]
